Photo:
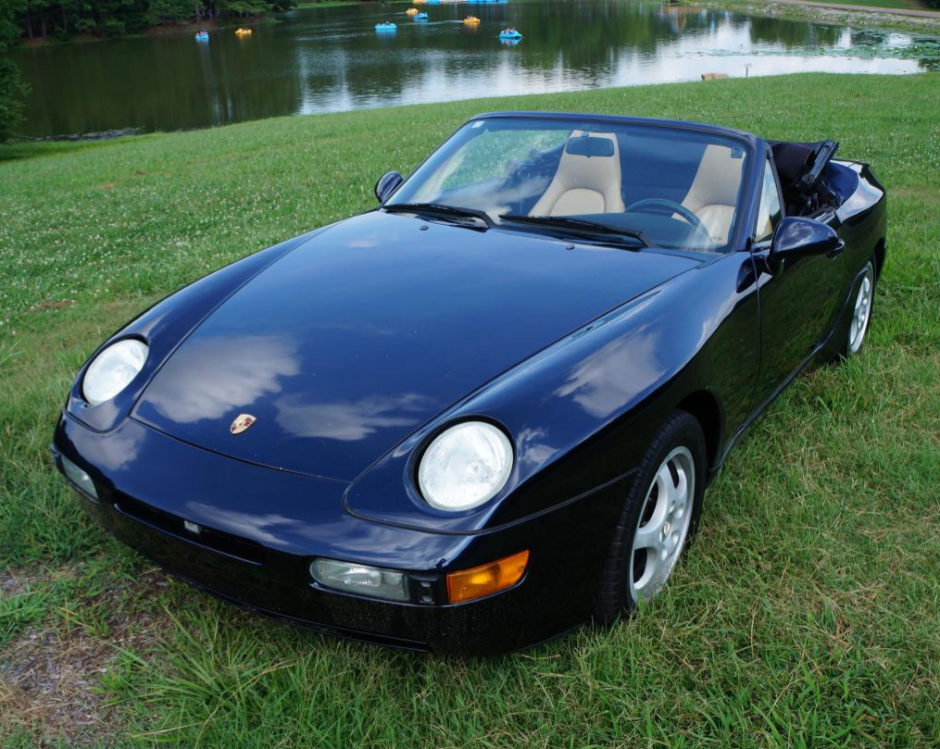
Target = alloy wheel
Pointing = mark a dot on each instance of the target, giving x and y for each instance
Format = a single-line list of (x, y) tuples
[(664, 524), (862, 312)]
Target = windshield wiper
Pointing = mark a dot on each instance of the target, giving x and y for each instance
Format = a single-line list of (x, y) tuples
[(439, 209), (580, 225)]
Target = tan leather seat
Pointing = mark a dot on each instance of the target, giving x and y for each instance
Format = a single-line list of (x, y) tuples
[(713, 195), (583, 184)]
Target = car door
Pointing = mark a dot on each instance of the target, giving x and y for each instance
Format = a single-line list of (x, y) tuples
[(798, 298)]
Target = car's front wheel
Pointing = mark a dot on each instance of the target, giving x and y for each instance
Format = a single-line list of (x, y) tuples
[(659, 516)]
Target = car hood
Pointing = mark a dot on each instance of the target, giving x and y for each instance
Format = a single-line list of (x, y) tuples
[(343, 347)]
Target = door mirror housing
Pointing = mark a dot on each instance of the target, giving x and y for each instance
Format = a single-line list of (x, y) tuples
[(386, 186), (796, 237)]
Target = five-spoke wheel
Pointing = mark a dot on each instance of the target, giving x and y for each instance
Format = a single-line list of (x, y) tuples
[(861, 314), (658, 517), (856, 318), (664, 524)]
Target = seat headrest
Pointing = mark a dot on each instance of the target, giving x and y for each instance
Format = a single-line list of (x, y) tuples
[(717, 179), (588, 177)]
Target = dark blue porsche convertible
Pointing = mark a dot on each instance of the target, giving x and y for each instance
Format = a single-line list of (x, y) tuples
[(487, 410)]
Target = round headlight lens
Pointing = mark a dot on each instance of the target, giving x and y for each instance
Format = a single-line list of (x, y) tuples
[(465, 466), (113, 369)]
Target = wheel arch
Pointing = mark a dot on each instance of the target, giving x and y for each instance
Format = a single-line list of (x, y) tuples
[(879, 256), (703, 405)]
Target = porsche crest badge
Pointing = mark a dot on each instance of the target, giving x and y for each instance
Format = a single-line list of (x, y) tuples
[(241, 423)]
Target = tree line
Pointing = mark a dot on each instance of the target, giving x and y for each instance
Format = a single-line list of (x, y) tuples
[(12, 88), (63, 19)]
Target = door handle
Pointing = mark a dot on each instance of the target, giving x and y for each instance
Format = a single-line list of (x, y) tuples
[(837, 249)]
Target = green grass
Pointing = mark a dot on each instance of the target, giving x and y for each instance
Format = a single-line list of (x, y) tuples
[(878, 17), (903, 4), (805, 614)]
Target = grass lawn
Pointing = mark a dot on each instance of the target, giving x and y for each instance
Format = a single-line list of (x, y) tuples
[(905, 4), (805, 614), (876, 19)]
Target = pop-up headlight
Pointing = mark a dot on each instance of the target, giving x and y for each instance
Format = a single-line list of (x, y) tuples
[(113, 369)]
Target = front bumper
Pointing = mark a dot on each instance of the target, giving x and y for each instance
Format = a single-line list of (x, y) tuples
[(258, 529)]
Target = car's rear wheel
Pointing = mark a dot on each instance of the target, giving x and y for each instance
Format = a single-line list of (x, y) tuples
[(855, 321), (861, 312), (658, 518)]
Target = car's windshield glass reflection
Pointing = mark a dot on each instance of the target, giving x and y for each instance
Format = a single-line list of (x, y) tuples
[(649, 185)]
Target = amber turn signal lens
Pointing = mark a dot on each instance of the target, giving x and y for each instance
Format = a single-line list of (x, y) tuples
[(486, 579)]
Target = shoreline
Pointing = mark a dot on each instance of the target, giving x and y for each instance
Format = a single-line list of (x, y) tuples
[(907, 20), (114, 134), (190, 27), (910, 20), (167, 29), (910, 12)]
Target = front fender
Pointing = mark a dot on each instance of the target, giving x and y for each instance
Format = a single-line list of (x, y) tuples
[(167, 324), (583, 411)]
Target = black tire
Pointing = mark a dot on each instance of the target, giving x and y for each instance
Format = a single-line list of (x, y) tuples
[(680, 437)]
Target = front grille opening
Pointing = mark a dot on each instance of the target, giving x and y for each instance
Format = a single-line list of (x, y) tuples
[(219, 541)]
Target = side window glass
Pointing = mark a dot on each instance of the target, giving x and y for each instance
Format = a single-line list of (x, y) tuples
[(769, 212)]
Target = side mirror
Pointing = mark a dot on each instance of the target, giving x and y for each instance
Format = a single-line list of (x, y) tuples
[(796, 237), (387, 185)]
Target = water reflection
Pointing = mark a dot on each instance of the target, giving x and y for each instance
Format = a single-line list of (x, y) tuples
[(331, 59)]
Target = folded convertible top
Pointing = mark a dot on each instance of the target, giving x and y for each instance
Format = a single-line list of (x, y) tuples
[(800, 165)]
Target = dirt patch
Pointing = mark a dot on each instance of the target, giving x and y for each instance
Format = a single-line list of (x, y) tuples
[(60, 304), (182, 27), (13, 582), (49, 676)]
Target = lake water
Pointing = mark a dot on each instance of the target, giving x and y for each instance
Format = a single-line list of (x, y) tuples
[(332, 59)]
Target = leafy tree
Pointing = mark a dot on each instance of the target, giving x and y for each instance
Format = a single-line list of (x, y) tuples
[(12, 88), (242, 7), (64, 18), (171, 11)]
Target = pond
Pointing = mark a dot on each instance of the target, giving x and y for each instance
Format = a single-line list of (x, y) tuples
[(332, 59)]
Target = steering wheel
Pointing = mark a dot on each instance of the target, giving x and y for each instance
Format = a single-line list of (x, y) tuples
[(518, 172), (665, 207)]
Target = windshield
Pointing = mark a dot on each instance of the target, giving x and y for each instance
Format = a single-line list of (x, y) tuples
[(672, 187)]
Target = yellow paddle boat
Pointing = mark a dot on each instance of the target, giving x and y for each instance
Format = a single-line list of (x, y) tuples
[(411, 11), (471, 21), (242, 32)]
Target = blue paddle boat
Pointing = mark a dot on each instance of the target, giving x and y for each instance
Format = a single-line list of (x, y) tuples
[(202, 36), (386, 27), (420, 16), (510, 34)]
